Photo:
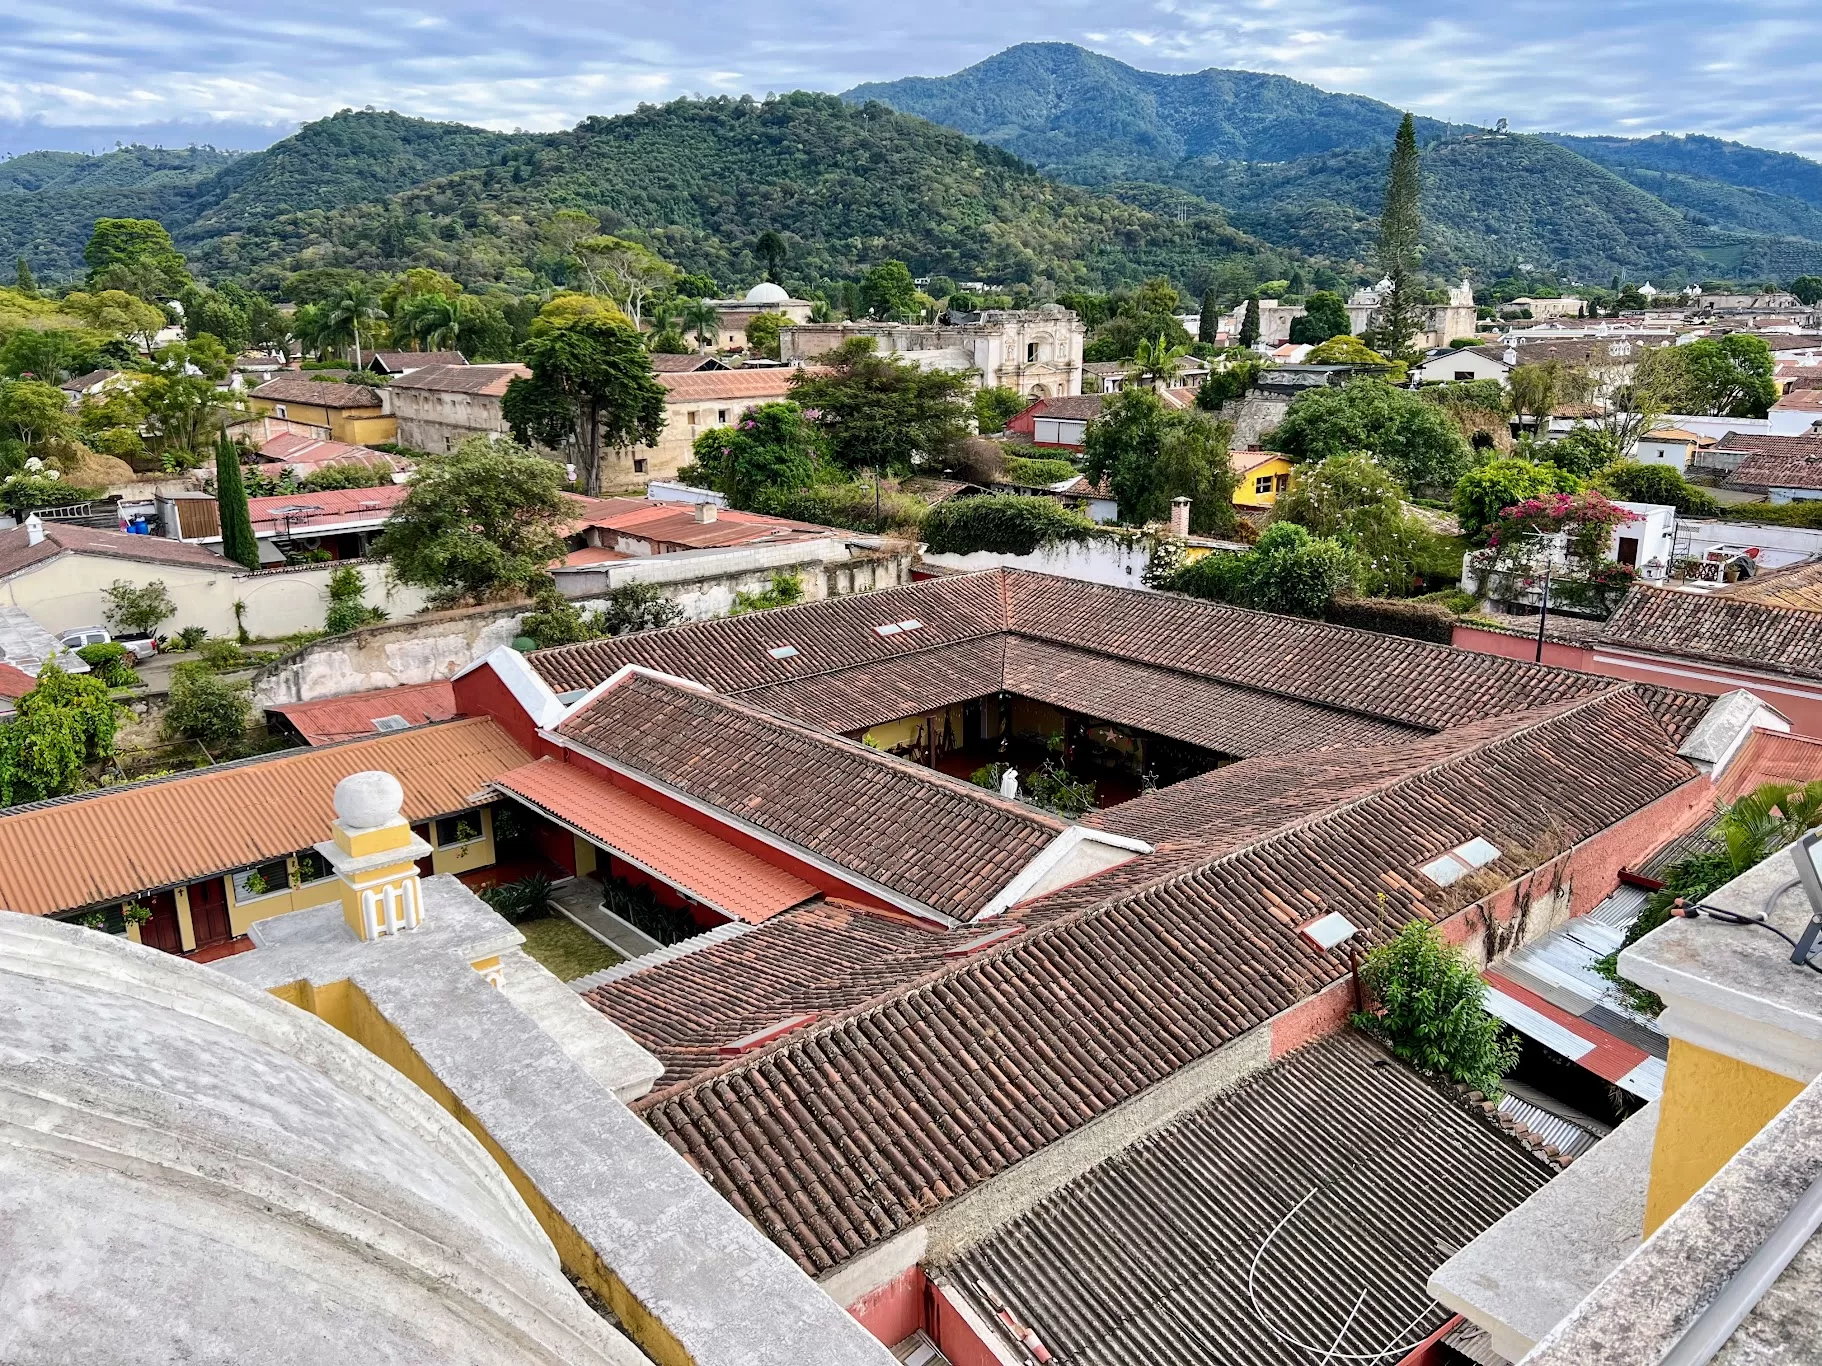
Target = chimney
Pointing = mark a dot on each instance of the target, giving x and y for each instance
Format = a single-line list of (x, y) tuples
[(375, 856), (1179, 516), (34, 529), (706, 512)]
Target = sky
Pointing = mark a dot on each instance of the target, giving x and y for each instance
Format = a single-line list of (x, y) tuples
[(83, 76)]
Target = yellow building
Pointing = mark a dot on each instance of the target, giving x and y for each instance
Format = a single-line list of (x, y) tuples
[(328, 409), (1259, 477)]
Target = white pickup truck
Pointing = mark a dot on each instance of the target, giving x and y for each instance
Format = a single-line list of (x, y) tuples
[(140, 647)]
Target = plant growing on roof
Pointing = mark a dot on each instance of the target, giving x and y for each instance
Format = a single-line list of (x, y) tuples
[(135, 912), (1428, 1007)]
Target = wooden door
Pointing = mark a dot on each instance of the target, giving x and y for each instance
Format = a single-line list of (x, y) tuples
[(209, 912), (162, 930)]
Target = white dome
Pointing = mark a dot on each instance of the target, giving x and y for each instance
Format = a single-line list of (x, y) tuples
[(766, 292), (364, 800)]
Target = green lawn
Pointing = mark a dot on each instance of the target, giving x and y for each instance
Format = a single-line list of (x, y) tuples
[(565, 947)]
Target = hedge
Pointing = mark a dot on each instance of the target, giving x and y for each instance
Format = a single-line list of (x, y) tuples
[(1807, 513), (1003, 523), (1429, 621)]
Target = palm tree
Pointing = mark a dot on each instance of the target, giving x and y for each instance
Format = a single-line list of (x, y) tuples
[(701, 320), (358, 305), (1766, 819), (1157, 362), (430, 321)]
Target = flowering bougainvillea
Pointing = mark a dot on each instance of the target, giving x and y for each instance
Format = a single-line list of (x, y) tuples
[(1585, 519)]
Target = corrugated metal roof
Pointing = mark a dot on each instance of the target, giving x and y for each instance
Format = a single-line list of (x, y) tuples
[(1297, 1215), (351, 717), (1567, 1135), (106, 846), (707, 869)]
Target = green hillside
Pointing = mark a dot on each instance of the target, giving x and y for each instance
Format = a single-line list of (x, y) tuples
[(123, 168), (846, 186), (1061, 106), (1730, 163)]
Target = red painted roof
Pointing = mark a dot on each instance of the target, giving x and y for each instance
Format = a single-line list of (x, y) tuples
[(326, 508), (15, 682), (1769, 757), (676, 524), (344, 718), (709, 870)]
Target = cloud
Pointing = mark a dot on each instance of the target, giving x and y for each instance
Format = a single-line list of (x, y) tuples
[(242, 75)]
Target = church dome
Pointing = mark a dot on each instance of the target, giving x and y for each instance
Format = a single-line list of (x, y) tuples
[(766, 293), (194, 1169)]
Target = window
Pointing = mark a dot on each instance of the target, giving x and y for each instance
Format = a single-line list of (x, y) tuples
[(1280, 482), (385, 723), (694, 414), (638, 464), (721, 417), (262, 879), (782, 651), (462, 828), (1263, 484), (1464, 374), (1031, 352), (312, 867), (278, 409)]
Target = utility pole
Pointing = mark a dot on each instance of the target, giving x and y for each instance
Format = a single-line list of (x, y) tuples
[(1543, 608)]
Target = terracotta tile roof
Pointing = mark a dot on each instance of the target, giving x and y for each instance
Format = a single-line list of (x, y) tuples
[(1148, 1257), (489, 380), (321, 393), (1790, 468), (826, 957), (1072, 407), (416, 360), (1728, 630), (310, 511), (1245, 460), (705, 386), (1806, 399), (844, 1134), (710, 870), (14, 681), (349, 717), (77, 384), (1763, 443), (309, 452), (938, 841), (1797, 585), (108, 845), (1769, 757), (676, 524), (663, 364), (868, 695), (17, 552)]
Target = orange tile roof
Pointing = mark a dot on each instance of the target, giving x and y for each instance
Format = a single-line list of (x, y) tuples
[(329, 507), (1770, 757), (110, 845), (707, 385), (708, 869), (352, 717)]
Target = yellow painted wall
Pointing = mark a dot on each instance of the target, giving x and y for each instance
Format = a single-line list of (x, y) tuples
[(1245, 497), (465, 858), (1712, 1106), (587, 857), (186, 928), (279, 901), (357, 426)]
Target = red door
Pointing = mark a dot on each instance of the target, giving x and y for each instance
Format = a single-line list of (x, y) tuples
[(162, 931), (209, 912)]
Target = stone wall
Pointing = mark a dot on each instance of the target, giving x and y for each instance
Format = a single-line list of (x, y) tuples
[(418, 650), (1253, 416)]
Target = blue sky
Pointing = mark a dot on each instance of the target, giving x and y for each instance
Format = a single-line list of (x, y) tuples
[(81, 76)]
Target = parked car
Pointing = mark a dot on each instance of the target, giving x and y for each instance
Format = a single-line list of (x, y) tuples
[(140, 647)]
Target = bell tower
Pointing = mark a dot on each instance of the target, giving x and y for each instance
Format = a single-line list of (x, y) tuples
[(375, 855)]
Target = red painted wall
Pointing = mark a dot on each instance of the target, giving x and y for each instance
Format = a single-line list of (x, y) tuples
[(480, 692), (895, 1310), (1026, 421), (1798, 701), (951, 1333)]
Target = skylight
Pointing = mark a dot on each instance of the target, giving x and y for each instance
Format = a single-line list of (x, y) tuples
[(1477, 853), (1327, 931), (910, 624), (1445, 870), (890, 629), (391, 723), (782, 651)]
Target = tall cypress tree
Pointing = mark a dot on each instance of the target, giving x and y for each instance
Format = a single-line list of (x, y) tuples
[(1400, 314), (1249, 325), (237, 539), (1211, 318), (22, 279)]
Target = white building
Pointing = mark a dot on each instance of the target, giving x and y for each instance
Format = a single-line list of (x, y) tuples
[(1670, 446), (1037, 351), (733, 315)]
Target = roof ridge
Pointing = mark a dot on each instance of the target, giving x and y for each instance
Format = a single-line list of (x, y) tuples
[(1033, 933)]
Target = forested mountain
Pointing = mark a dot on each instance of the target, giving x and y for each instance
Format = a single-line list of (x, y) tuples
[(1305, 169), (699, 181), (123, 168)]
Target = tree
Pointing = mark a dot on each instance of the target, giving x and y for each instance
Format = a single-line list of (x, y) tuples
[(1537, 390), (1730, 376), (65, 722), (591, 388), (1288, 571), (1249, 323), (774, 446), (887, 292), (1808, 289), (701, 320), (1400, 313), (997, 405), (634, 607), (1208, 324), (237, 540), (1149, 455), (1349, 498), (22, 279), (770, 248), (1229, 377), (32, 411), (880, 413), (1001, 524), (1157, 362), (135, 255), (626, 272), (762, 334), (1660, 484), (351, 313), (1487, 490), (430, 321), (1415, 441), (348, 607), (1343, 349), (184, 408), (137, 609), (205, 708), (1325, 315), (1583, 450), (1428, 1007), (480, 523), (122, 314), (1632, 409)]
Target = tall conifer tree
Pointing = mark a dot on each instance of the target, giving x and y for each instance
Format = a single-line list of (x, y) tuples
[(1400, 314), (1211, 318), (237, 539), (1249, 325)]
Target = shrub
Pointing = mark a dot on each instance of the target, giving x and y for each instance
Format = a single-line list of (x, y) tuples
[(851, 506), (1396, 617), (786, 589), (1004, 523), (205, 709), (137, 609), (347, 602), (637, 607), (1033, 472), (1288, 571), (1427, 1007), (350, 474), (108, 662), (526, 899), (222, 655), (1635, 483), (1806, 513), (1487, 490), (1584, 451), (555, 620), (640, 909), (189, 637)]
